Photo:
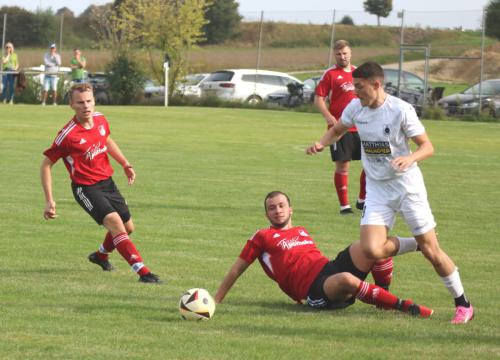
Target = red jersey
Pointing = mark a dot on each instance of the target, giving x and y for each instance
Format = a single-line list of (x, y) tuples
[(289, 257), (83, 151), (336, 84)]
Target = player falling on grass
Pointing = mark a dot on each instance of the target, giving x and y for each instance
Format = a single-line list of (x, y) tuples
[(336, 88), (83, 144), (290, 257), (394, 181)]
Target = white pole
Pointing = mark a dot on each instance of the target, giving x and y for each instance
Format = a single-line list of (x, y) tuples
[(166, 68)]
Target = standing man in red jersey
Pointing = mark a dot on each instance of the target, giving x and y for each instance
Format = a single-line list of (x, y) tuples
[(289, 256), (336, 88), (83, 144)]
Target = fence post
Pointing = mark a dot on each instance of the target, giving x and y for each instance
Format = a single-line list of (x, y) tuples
[(332, 40), (481, 67), (61, 35), (3, 46), (401, 44)]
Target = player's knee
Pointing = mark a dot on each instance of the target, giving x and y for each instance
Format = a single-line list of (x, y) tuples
[(130, 228), (373, 252), (348, 282)]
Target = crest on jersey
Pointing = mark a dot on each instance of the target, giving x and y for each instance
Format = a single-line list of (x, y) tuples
[(102, 130), (387, 130)]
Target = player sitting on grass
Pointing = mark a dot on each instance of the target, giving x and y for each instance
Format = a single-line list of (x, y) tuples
[(290, 257), (83, 144)]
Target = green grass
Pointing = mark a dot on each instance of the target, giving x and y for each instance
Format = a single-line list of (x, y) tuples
[(202, 176)]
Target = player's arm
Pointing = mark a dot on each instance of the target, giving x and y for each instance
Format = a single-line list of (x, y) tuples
[(117, 154), (233, 274), (331, 136), (322, 106), (46, 178), (423, 151)]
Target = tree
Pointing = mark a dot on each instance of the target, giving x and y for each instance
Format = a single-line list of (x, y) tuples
[(492, 21), (347, 20), (223, 21), (171, 26), (380, 8)]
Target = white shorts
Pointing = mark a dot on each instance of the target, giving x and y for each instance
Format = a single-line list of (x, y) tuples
[(50, 82), (405, 195)]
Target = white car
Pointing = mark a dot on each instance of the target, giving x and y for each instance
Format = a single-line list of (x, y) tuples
[(248, 85), (190, 85)]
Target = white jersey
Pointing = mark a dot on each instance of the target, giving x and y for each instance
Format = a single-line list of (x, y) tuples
[(384, 134)]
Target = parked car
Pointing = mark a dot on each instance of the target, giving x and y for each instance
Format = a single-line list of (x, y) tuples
[(190, 85), (152, 90), (467, 102), (248, 85), (295, 95), (100, 84), (411, 88)]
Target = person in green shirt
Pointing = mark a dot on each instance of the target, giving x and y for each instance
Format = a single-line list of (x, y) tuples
[(10, 64), (78, 64)]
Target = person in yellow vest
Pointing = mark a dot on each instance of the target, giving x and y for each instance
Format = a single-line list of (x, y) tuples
[(9, 65)]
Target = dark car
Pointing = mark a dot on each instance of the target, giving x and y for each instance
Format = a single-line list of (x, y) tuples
[(411, 87), (296, 94), (100, 84), (467, 102)]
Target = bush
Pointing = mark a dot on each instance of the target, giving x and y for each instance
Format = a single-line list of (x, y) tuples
[(434, 113), (126, 79)]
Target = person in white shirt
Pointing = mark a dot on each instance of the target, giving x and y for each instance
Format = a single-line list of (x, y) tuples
[(52, 61), (394, 182)]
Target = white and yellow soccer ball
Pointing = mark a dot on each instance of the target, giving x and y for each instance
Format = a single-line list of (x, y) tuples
[(196, 304)]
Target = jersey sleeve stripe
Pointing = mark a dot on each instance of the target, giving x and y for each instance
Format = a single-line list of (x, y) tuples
[(64, 133)]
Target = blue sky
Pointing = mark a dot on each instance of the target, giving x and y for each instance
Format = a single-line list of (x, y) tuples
[(442, 13)]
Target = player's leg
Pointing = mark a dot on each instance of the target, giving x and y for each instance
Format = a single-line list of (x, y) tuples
[(446, 269), (341, 183), (340, 287), (416, 210), (381, 270), (121, 241)]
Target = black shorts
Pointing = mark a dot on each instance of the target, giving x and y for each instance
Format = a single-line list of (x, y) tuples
[(316, 297), (101, 199), (347, 148)]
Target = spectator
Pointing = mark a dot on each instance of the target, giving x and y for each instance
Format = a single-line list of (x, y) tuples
[(78, 64), (52, 61), (10, 64)]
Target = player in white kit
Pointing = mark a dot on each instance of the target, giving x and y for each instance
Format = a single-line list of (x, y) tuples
[(394, 183)]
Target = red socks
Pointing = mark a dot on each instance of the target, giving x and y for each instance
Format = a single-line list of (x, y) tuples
[(340, 181), (362, 185), (129, 252), (375, 295), (382, 272)]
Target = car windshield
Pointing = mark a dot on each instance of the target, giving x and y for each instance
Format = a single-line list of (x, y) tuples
[(193, 79), (220, 76), (310, 84), (488, 88)]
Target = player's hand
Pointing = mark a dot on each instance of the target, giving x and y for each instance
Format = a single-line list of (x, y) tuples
[(314, 149), (50, 210), (402, 163), (129, 173)]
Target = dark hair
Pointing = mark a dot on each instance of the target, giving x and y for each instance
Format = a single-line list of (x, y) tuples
[(369, 70), (80, 87), (273, 194)]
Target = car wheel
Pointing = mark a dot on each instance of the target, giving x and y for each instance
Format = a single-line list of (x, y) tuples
[(254, 100)]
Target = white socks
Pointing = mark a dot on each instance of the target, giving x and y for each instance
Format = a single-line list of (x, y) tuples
[(453, 283)]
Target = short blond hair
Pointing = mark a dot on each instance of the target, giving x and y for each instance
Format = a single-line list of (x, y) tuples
[(340, 44), (9, 44), (80, 87)]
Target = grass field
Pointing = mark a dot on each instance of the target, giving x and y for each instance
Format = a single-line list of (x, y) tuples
[(202, 176)]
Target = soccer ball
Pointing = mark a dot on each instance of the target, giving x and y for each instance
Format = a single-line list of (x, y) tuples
[(196, 304)]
